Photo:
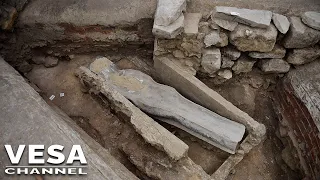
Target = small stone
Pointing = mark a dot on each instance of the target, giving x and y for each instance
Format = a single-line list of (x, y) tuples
[(24, 67), (253, 18), (51, 61), (169, 11), (277, 52), (303, 56), (171, 31), (191, 23), (213, 25), (230, 53), (178, 54), (38, 59), (246, 38), (312, 19), (281, 22), (243, 65), (212, 39), (226, 62), (211, 60), (204, 27), (274, 66), (223, 40), (225, 73), (225, 24), (300, 35)]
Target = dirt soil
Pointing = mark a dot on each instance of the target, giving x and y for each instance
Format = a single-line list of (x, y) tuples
[(263, 162)]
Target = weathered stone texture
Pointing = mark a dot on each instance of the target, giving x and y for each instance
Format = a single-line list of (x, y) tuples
[(211, 60), (171, 31), (281, 22), (311, 19), (191, 23), (246, 38), (243, 64), (274, 66), (168, 11), (304, 55), (277, 52)]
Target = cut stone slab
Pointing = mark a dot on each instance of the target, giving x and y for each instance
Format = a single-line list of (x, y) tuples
[(303, 56), (230, 53), (191, 23), (246, 38), (150, 130), (27, 119), (312, 19), (243, 65), (211, 60), (169, 11), (274, 66), (253, 18), (300, 35), (225, 24), (212, 39), (281, 22), (277, 52), (171, 31), (166, 104), (225, 73)]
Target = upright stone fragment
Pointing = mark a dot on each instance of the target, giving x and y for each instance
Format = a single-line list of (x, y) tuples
[(253, 18), (169, 11), (246, 38), (171, 31), (274, 66), (303, 56), (312, 19), (211, 60), (225, 24), (243, 65), (191, 23), (281, 22), (300, 35), (166, 104), (277, 52)]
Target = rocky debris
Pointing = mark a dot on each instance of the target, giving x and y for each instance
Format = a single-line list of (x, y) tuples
[(246, 38), (150, 130), (225, 24), (161, 101), (211, 60), (225, 73), (300, 35), (191, 23), (274, 66), (212, 38), (51, 61), (223, 40), (253, 18), (303, 56), (226, 62), (24, 67), (8, 16), (277, 52), (171, 31), (169, 11), (243, 64), (311, 19), (281, 22), (230, 53)]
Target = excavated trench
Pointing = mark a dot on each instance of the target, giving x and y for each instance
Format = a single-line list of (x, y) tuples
[(131, 47)]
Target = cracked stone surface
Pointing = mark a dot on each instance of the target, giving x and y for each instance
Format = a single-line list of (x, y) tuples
[(166, 104)]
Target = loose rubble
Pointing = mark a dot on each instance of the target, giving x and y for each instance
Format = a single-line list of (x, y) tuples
[(311, 19), (281, 22)]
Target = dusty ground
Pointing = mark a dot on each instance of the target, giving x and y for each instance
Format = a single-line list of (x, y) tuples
[(97, 120), (250, 93)]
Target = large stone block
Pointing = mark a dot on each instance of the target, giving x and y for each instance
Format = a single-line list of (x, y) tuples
[(253, 18), (243, 65), (168, 11), (300, 35), (191, 23), (171, 31), (246, 38), (304, 55)]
